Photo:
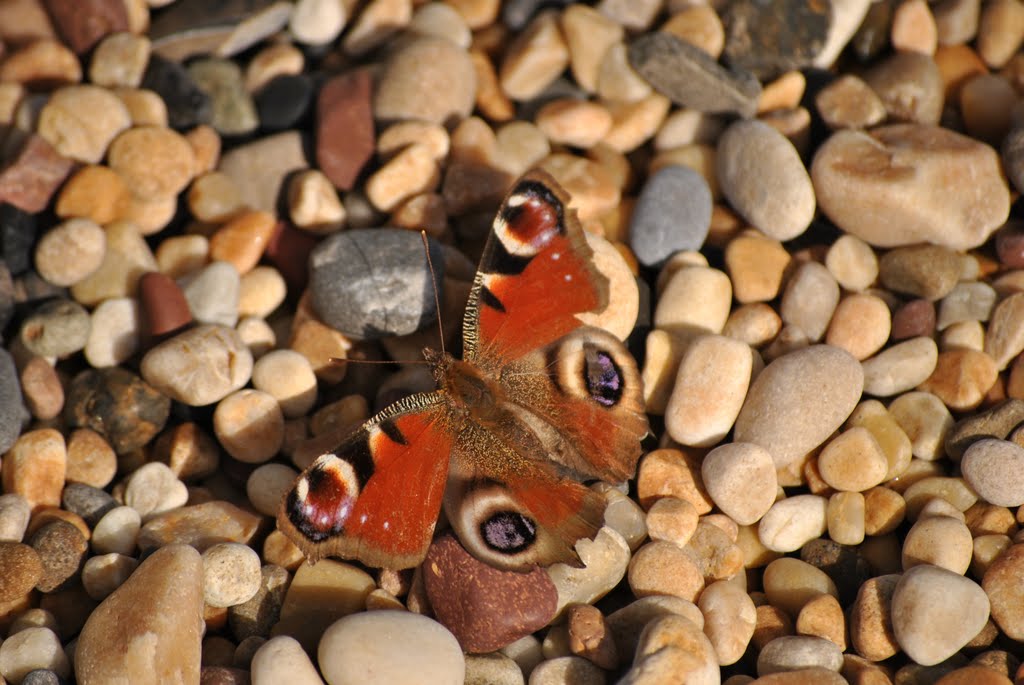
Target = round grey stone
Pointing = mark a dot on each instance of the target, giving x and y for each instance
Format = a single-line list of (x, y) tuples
[(673, 213), (12, 408)]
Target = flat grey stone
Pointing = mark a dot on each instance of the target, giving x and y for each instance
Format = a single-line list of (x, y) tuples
[(673, 213)]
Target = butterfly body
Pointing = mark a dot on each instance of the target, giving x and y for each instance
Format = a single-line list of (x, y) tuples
[(538, 403)]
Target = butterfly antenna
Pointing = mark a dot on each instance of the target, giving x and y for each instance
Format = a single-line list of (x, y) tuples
[(433, 280)]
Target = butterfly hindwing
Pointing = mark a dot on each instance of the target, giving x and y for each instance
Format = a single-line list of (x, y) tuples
[(376, 498)]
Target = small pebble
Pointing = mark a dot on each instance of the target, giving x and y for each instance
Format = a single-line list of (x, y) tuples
[(853, 461), (154, 162), (34, 468), (672, 213), (83, 140), (57, 328), (41, 388), (318, 596), (23, 569), (90, 459), (153, 489), (249, 425), (61, 548), (199, 525), (990, 467), (927, 271), (117, 531), (200, 366), (282, 659), (88, 502), (259, 168), (127, 257), (809, 300), (212, 293), (792, 522), (127, 411), (900, 368), (797, 652), (15, 512), (941, 541), (70, 252), (114, 334), (256, 616), (1004, 339), (961, 378), (31, 649), (231, 574), (756, 264), (104, 573)]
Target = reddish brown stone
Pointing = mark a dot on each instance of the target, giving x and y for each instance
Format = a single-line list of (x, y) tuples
[(164, 308), (344, 130), (913, 319), (1010, 245), (33, 174), (485, 608), (288, 250), (82, 23)]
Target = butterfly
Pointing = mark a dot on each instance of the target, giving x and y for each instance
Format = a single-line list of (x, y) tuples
[(538, 404)]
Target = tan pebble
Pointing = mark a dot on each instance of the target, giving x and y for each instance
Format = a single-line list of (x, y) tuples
[(562, 668), (671, 520), (935, 612), (278, 549), (93, 192), (984, 519), (860, 325), (409, 173), (576, 123), (992, 468), (853, 461), (321, 345), (628, 622), (179, 255), (114, 332), (756, 264), (624, 515), (790, 584), (673, 647), (663, 568), (150, 215), (694, 299), (261, 292), (378, 21), (400, 135), (986, 104), (605, 561), (35, 467), (41, 61), (969, 301), (588, 35), (199, 366), (959, 62), (205, 143), (848, 102), (794, 521), (755, 324), (590, 637), (153, 489), (634, 123), (188, 450), (154, 162), (593, 190), (1001, 583), (11, 97), (940, 541), (41, 388), (987, 549), (901, 367), (871, 631), (955, 491), (534, 59), (287, 376), (90, 459), (913, 28), (797, 652), (214, 198), (145, 107), (519, 145), (963, 335), (119, 60), (711, 384), (82, 139), (730, 618), (823, 617), (617, 81), (810, 299), (961, 378), (1005, 336), (672, 473), (1000, 31), (425, 212), (685, 127), (242, 240), (772, 622), (887, 433), (740, 479), (440, 20), (663, 352), (846, 518), (249, 425), (680, 260), (940, 508), (276, 59), (700, 26), (490, 99), (70, 252), (635, 15), (717, 555), (783, 93)]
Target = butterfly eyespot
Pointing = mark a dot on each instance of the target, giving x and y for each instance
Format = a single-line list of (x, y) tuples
[(508, 532), (603, 377)]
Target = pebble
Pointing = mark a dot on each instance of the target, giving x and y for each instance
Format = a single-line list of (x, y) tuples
[(809, 300), (116, 532), (494, 607), (494, 668), (61, 548), (961, 378), (561, 669), (71, 251), (200, 366), (153, 489), (104, 573), (989, 467), (1000, 32), (249, 425), (315, 22), (792, 522), (288, 377), (199, 525), (127, 257), (83, 140), (942, 541), (256, 616), (242, 240), (114, 334), (672, 473), (740, 479), (212, 293), (259, 168), (910, 209), (15, 512), (231, 574), (861, 324), (901, 367), (672, 213), (997, 422), (56, 328), (344, 125), (534, 59), (123, 408), (588, 34), (408, 647), (86, 501), (617, 80), (967, 302), (411, 172), (1004, 339), (34, 467), (164, 308), (782, 414), (320, 595), (798, 652), (42, 61), (853, 461), (848, 102), (282, 659), (32, 175), (41, 388), (23, 570), (927, 271), (154, 162), (730, 618), (119, 60), (31, 649), (691, 78), (756, 265), (698, 26), (664, 568), (377, 295), (935, 612), (1004, 591), (430, 79), (694, 300), (711, 384), (187, 105), (377, 22), (163, 601), (673, 647), (953, 490), (90, 459), (314, 204)]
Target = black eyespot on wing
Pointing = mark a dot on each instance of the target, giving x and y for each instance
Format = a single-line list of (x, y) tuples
[(602, 376), (508, 532), (488, 298)]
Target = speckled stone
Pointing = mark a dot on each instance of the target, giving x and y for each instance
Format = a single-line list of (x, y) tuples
[(118, 405)]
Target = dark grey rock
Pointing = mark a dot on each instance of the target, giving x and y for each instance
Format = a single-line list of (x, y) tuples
[(234, 112), (258, 615), (8, 298), (42, 676), (372, 283), (118, 405), (515, 14), (690, 77), (768, 38), (17, 237), (284, 102), (187, 105), (672, 213), (1012, 152), (12, 407), (57, 328), (88, 502)]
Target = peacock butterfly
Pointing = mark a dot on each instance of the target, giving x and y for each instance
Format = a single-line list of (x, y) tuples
[(538, 404)]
